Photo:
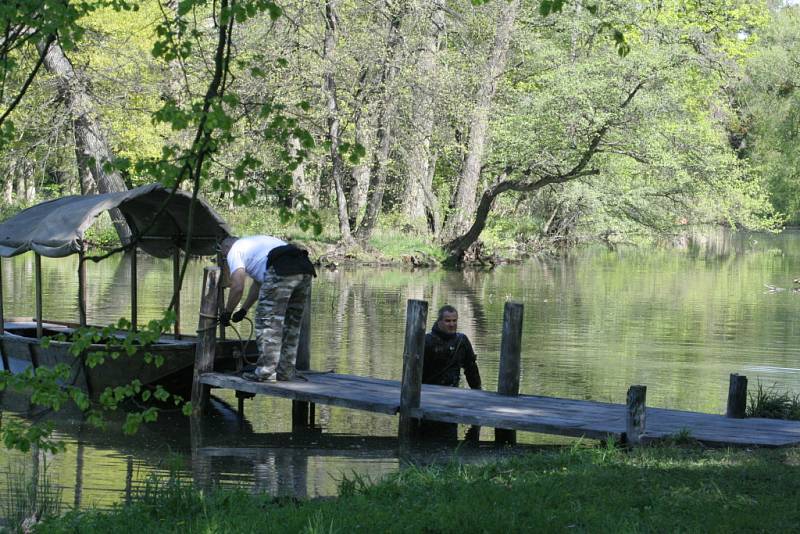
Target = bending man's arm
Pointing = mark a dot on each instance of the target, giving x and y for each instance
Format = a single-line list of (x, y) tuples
[(236, 289), (252, 295), (471, 372)]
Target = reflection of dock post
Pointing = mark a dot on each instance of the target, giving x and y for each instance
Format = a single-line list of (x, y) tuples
[(302, 411), (413, 353), (201, 463), (737, 397), (129, 480), (206, 339), (636, 411), (508, 374)]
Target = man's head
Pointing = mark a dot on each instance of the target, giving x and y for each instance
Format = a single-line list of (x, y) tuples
[(223, 248), (447, 320), (226, 244)]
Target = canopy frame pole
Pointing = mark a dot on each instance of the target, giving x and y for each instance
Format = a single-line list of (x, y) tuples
[(134, 290), (37, 262), (81, 286), (2, 315), (176, 289)]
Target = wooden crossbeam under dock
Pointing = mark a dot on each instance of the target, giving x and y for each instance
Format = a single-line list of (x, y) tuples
[(531, 413)]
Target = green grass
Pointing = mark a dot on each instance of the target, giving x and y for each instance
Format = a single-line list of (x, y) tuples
[(603, 489), (30, 495), (773, 404)]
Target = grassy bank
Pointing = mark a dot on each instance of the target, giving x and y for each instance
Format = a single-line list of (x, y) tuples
[(603, 489)]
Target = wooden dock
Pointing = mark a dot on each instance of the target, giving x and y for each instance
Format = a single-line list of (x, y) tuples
[(507, 411), (549, 415)]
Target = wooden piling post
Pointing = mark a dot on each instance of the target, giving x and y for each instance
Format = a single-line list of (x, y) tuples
[(508, 374), (206, 338), (301, 410), (737, 397), (413, 353), (636, 411)]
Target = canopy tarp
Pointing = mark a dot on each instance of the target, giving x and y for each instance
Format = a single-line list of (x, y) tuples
[(55, 228)]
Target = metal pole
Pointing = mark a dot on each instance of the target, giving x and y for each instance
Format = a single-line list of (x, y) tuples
[(2, 315), (81, 287), (134, 290), (37, 262), (176, 290)]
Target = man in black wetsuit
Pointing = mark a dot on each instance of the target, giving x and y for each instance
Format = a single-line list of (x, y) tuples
[(447, 352)]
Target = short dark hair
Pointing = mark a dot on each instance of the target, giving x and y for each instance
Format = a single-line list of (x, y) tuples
[(445, 309), (225, 245)]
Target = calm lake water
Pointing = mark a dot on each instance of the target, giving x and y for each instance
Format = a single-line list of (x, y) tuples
[(678, 320)]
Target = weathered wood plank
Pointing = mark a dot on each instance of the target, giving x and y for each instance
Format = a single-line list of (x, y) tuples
[(308, 391), (568, 417)]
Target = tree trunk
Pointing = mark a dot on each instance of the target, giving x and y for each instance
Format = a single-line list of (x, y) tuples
[(301, 183), (457, 246), (465, 198), (329, 84), (419, 201), (29, 182), (91, 148), (361, 172), (377, 180), (8, 190)]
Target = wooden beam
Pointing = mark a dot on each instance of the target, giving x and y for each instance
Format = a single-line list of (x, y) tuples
[(413, 354), (737, 397), (221, 292), (301, 410), (508, 374), (635, 422), (206, 339)]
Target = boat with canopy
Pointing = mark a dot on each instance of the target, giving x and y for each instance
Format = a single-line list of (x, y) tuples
[(159, 221)]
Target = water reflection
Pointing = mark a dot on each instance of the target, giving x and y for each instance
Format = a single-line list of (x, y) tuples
[(595, 322)]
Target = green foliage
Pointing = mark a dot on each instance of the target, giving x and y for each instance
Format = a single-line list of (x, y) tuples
[(769, 99), (773, 404), (31, 495)]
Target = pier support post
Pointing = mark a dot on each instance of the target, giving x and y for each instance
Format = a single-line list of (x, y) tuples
[(206, 338), (737, 397), (635, 420), (508, 374), (413, 353), (302, 414)]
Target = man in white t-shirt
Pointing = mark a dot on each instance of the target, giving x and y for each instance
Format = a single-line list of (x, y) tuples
[(280, 277)]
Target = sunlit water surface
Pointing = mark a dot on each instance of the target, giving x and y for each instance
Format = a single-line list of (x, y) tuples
[(678, 320)]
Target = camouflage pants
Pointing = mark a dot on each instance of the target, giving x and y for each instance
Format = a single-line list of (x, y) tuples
[(278, 316)]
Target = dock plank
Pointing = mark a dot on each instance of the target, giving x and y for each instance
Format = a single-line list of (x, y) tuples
[(551, 415)]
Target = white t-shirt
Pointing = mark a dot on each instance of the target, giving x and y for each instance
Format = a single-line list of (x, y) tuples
[(250, 253)]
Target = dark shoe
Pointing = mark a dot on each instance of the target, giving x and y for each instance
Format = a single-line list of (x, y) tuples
[(253, 377), (296, 378)]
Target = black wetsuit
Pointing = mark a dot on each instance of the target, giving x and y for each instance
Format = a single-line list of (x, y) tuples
[(445, 356)]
